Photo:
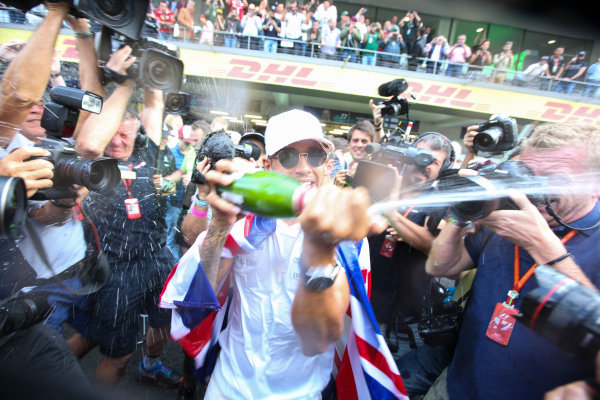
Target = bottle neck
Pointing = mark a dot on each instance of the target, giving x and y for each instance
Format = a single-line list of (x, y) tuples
[(302, 196)]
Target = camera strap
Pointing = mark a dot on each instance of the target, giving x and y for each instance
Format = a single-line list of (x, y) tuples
[(93, 270), (503, 321)]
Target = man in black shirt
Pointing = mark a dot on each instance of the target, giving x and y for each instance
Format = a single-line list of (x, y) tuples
[(132, 233), (571, 71)]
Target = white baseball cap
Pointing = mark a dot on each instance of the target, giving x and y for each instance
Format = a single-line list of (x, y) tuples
[(291, 127)]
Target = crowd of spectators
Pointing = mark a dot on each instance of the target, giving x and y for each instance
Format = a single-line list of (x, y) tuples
[(407, 42), (282, 321)]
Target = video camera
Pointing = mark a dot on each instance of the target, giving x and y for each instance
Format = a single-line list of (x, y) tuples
[(565, 312), (13, 201), (491, 185), (497, 135), (157, 64), (125, 17), (59, 119), (178, 103), (216, 146), (396, 105)]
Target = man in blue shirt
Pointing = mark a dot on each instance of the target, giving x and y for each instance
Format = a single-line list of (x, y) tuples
[(517, 363)]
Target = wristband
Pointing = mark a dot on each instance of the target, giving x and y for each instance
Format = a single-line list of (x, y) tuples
[(558, 259), (201, 203), (84, 34), (55, 75), (199, 214), (460, 224), (60, 205)]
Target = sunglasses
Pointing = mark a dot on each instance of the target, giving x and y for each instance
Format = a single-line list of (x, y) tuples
[(290, 157)]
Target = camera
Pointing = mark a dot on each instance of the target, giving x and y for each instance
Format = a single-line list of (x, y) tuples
[(23, 311), (13, 201), (497, 135), (565, 312), (396, 105), (59, 119), (491, 186), (157, 64), (440, 318), (125, 17), (217, 145), (178, 103)]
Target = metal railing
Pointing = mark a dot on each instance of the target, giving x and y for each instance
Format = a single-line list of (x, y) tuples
[(463, 71)]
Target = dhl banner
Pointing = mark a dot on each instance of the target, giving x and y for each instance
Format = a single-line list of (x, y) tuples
[(346, 80)]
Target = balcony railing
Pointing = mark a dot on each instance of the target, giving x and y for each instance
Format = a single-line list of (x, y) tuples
[(465, 72)]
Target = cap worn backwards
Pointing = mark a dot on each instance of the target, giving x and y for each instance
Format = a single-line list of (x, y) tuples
[(291, 127)]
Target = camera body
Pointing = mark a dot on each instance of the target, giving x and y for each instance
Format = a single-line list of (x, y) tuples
[(493, 183), (59, 119), (157, 64), (497, 135)]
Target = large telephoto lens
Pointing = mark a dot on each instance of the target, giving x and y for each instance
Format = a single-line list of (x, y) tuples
[(13, 197), (565, 312), (486, 140), (100, 175)]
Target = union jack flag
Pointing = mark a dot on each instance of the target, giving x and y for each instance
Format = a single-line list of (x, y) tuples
[(364, 367)]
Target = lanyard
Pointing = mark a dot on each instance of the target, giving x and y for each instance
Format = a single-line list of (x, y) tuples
[(127, 183), (519, 283)]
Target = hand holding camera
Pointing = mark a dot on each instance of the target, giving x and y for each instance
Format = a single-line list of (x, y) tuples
[(37, 173)]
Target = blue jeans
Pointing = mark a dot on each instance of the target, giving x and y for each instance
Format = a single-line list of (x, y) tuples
[(349, 53), (270, 46), (171, 221), (61, 300), (231, 41), (591, 90), (565, 87), (420, 367), (454, 70), (369, 59)]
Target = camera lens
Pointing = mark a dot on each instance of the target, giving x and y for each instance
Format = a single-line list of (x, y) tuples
[(160, 70), (486, 140), (100, 175), (111, 8), (13, 195)]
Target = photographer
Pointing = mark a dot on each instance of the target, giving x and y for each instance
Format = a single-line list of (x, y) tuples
[(271, 31), (400, 283), (436, 51), (562, 235), (127, 224), (392, 44)]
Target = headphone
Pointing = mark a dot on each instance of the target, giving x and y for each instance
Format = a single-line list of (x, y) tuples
[(449, 157)]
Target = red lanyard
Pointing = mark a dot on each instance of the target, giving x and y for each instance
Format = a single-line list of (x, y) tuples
[(519, 283), (127, 183)]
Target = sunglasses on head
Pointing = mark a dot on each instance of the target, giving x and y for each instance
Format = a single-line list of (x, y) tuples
[(290, 157)]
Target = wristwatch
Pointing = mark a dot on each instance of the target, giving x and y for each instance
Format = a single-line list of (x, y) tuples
[(319, 277)]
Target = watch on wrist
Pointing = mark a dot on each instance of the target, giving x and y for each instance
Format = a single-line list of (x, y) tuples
[(319, 277)]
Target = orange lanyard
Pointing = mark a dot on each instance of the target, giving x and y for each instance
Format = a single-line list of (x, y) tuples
[(519, 283), (407, 213)]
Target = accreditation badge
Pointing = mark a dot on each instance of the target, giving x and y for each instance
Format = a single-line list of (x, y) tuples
[(502, 323), (132, 207)]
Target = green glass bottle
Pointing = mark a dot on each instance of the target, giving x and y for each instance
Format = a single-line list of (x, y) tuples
[(268, 193)]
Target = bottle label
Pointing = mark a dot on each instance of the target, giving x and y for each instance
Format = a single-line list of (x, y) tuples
[(234, 198)]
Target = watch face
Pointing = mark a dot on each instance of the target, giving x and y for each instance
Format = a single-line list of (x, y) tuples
[(321, 283)]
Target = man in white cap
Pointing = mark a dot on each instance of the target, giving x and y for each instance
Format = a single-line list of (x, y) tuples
[(281, 330)]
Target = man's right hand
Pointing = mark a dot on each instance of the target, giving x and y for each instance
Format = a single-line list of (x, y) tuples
[(340, 178), (469, 138), (224, 213), (36, 173)]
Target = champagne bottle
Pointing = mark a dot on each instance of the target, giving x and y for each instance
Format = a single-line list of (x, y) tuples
[(268, 193)]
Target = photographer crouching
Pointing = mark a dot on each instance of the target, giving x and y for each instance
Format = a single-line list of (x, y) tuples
[(562, 232)]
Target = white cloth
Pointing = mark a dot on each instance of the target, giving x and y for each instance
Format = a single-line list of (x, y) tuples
[(260, 351), (64, 244), (533, 71), (252, 25)]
